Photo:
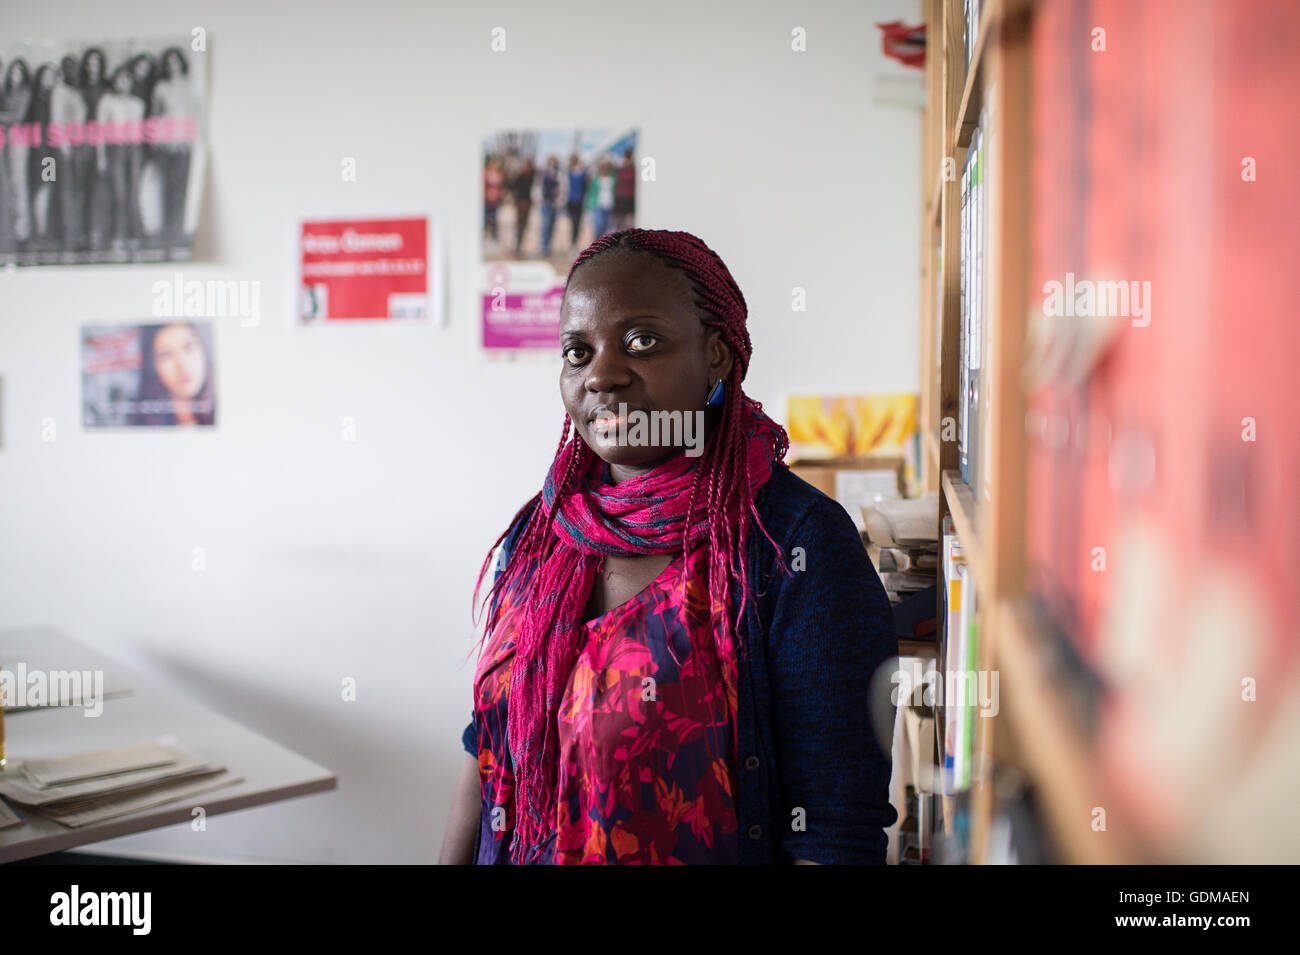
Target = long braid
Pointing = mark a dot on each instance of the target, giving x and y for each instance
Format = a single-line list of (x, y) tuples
[(536, 535)]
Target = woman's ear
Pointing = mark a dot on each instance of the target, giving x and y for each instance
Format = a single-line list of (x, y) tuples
[(720, 356)]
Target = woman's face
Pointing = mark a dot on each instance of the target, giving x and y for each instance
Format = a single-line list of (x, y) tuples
[(630, 334), (47, 78), (122, 81), (178, 357), (142, 69), (174, 66), (94, 67)]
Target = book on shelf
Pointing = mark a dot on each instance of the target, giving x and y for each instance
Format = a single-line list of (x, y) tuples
[(959, 661), (968, 32), (938, 309), (972, 338), (953, 575), (963, 319), (984, 266), (971, 15), (974, 357), (969, 681)]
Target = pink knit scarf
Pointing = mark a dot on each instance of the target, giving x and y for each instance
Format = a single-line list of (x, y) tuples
[(642, 515)]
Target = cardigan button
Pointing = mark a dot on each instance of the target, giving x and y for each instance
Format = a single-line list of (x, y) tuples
[(756, 832), (751, 762)]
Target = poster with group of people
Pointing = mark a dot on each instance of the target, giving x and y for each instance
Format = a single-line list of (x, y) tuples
[(547, 195), (102, 148)]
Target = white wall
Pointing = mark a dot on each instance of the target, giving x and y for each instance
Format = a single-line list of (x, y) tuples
[(328, 559)]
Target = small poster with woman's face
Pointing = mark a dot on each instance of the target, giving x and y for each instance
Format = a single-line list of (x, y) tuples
[(155, 375)]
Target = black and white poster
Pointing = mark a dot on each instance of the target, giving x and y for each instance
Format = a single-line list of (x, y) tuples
[(102, 149)]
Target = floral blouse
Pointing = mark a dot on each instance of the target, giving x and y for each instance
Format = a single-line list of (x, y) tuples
[(647, 734)]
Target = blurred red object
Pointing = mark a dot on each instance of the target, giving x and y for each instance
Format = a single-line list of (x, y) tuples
[(1172, 462), (905, 44)]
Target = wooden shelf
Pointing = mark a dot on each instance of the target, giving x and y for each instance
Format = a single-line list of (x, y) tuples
[(995, 82), (961, 505), (1052, 751), (936, 198), (972, 94), (932, 444)]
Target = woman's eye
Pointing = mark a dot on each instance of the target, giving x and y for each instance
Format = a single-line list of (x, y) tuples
[(571, 358), (642, 338)]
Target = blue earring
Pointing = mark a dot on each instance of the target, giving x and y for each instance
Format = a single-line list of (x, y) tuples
[(715, 396)]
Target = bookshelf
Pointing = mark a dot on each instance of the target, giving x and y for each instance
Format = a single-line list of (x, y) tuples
[(1078, 149), (1033, 731)]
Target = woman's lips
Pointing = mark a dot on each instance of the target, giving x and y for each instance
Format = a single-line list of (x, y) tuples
[(607, 418)]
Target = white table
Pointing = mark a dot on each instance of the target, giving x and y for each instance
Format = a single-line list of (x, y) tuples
[(150, 710)]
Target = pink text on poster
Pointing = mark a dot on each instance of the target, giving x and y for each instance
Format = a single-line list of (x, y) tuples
[(528, 320)]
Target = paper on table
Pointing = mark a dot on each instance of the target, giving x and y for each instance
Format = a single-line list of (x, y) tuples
[(103, 762), (110, 808), (106, 800), (7, 816), (903, 521), (17, 787)]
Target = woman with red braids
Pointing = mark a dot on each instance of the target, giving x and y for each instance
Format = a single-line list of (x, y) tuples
[(676, 659)]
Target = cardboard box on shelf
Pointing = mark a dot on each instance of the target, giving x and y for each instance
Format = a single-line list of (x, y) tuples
[(854, 481)]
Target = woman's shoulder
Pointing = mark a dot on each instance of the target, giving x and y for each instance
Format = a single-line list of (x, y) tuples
[(787, 503), (836, 582), (801, 519)]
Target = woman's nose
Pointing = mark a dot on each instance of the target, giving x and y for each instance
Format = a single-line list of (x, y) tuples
[(607, 372)]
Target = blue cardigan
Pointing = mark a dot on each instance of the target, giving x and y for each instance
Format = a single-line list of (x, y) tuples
[(816, 637)]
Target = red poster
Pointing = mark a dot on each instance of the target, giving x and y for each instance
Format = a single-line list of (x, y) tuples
[(370, 269)]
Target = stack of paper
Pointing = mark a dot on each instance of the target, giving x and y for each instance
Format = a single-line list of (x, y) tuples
[(902, 539), (90, 787), (903, 521)]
